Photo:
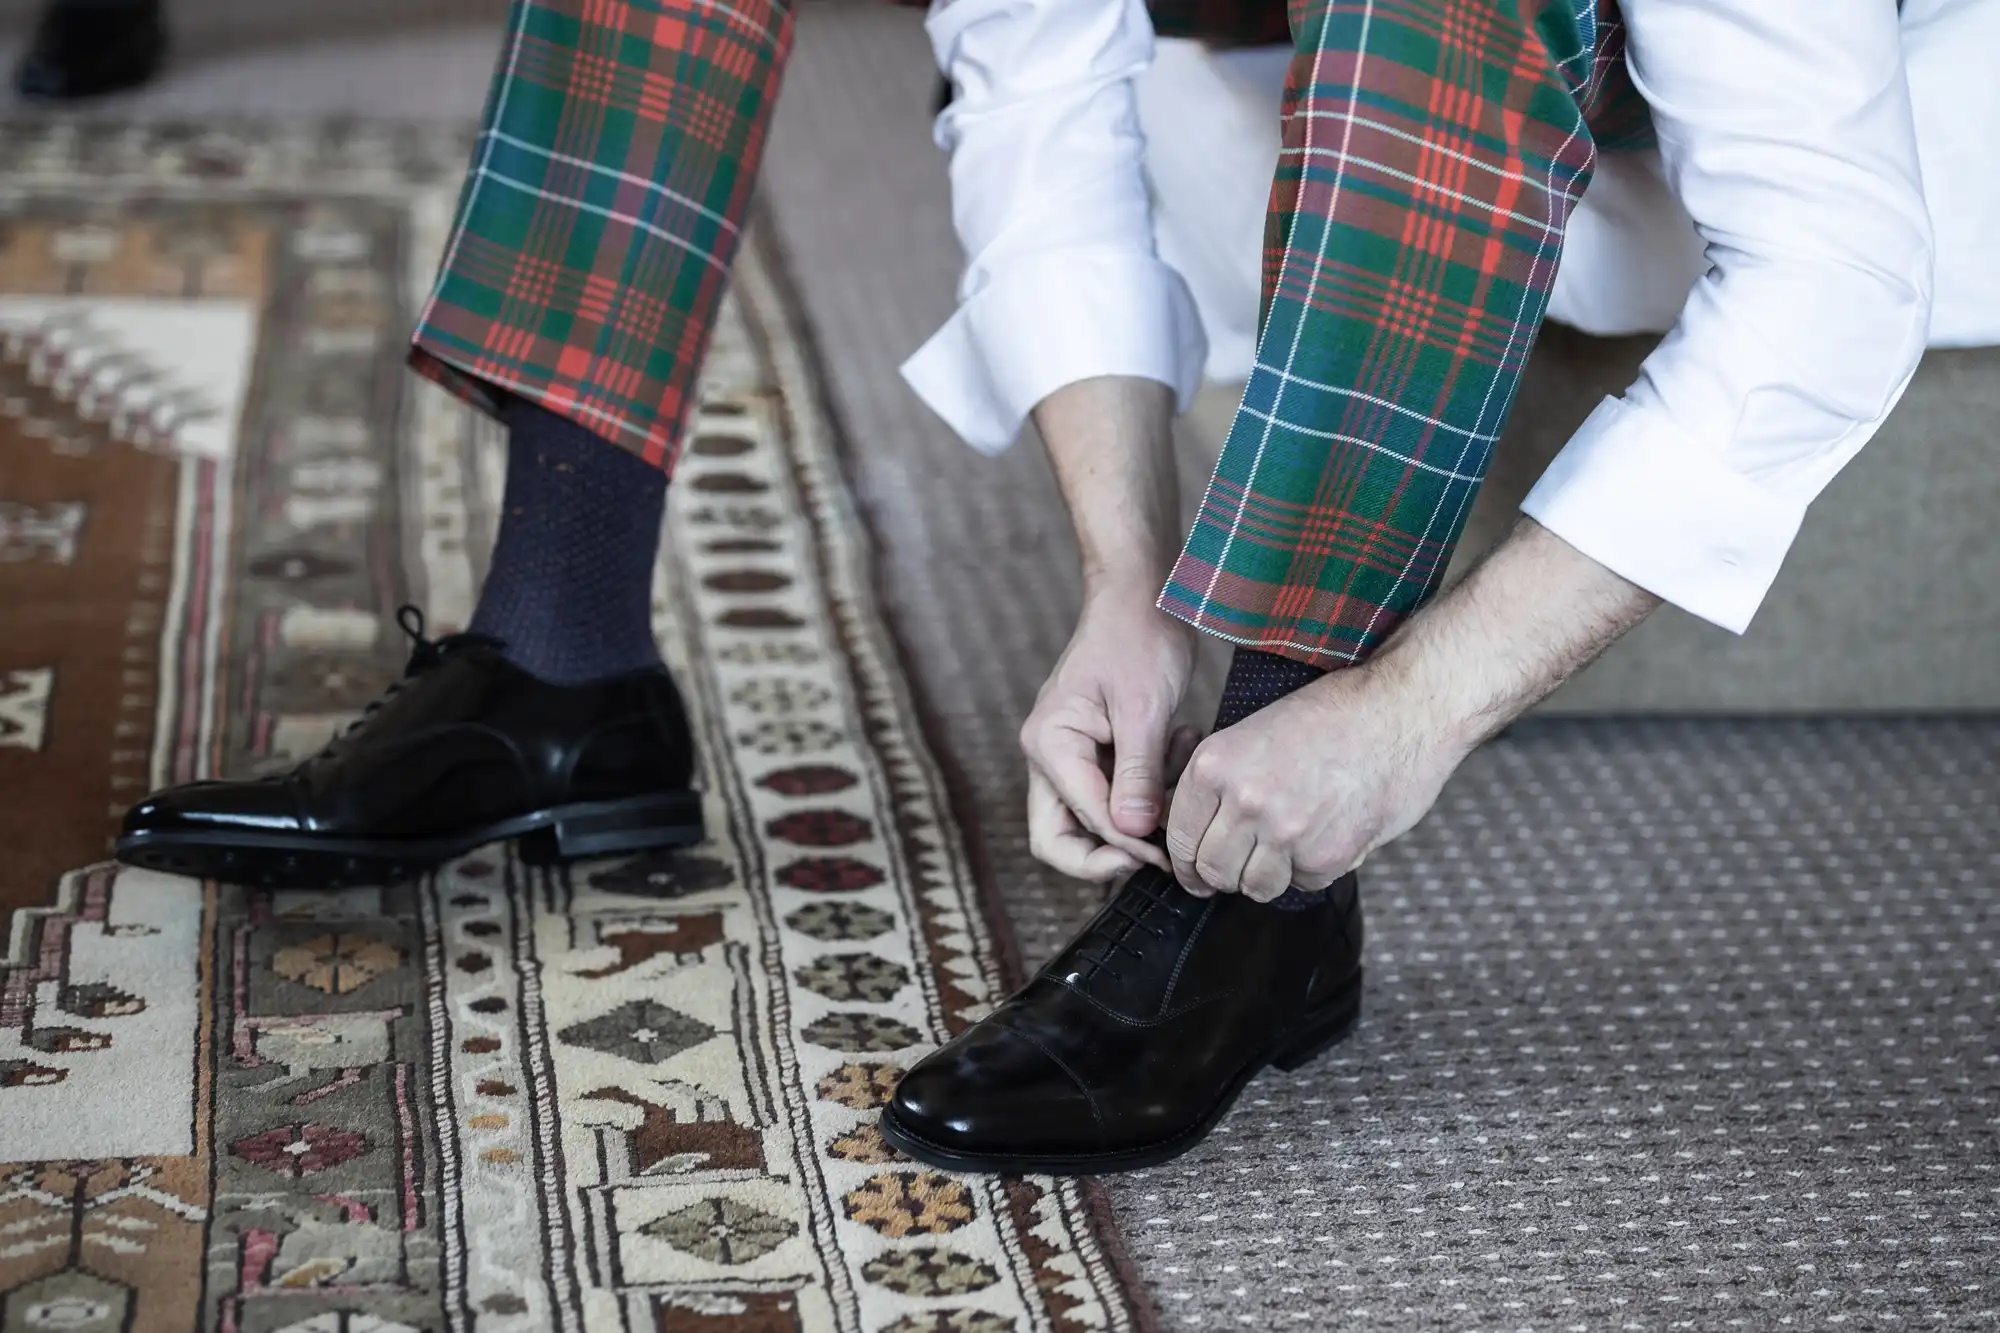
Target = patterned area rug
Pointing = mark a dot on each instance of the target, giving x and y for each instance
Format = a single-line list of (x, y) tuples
[(636, 1096)]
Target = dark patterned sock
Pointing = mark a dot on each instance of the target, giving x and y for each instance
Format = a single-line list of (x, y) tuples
[(1258, 678), (571, 587), (1255, 680)]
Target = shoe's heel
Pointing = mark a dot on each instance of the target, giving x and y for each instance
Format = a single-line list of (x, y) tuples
[(608, 828), (1321, 1027)]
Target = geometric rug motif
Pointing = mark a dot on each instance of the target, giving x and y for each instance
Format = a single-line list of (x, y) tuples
[(639, 1094), (158, 371)]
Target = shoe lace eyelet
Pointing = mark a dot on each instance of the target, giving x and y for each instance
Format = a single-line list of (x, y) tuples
[(1103, 944), (424, 654)]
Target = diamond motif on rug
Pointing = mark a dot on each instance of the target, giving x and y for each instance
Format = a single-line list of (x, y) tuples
[(643, 1031), (300, 1150), (861, 1033), (673, 873), (929, 1271), (722, 1231), (829, 874), (865, 1145), (902, 1203), (853, 976), (861, 1087), (337, 964), (840, 921)]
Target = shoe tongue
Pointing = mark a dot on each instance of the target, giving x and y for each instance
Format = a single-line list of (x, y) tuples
[(427, 654), (1126, 956)]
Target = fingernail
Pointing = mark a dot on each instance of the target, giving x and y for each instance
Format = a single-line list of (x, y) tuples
[(1138, 806)]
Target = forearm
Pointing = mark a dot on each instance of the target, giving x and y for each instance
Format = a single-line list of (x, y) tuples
[(1110, 440), (1527, 618)]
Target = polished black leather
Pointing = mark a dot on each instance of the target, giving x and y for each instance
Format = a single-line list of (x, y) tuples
[(89, 49), (1128, 1047), (465, 748), (471, 741)]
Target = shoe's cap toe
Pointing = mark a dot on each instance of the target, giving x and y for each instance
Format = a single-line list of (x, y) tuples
[(995, 1093), (234, 807)]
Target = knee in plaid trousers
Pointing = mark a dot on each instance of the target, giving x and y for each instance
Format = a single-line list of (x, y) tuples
[(1432, 151)]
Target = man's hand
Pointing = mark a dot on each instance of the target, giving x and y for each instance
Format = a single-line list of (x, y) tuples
[(1299, 792), (1112, 694), (1097, 741)]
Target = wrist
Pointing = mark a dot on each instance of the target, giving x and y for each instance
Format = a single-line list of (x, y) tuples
[(1448, 712), (1127, 576), (1124, 605), (1495, 644)]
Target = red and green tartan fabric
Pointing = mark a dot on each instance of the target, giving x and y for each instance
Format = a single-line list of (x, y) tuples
[(603, 208), (1433, 150)]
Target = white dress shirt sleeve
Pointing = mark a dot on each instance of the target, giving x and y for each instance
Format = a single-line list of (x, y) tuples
[(1062, 279), (1785, 130)]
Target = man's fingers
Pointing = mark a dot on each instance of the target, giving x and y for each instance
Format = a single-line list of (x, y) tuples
[(1105, 864), (1053, 833), (1268, 873), (1138, 768), (1059, 842), (1323, 869), (1225, 851), (1068, 760), (1180, 749), (1195, 804)]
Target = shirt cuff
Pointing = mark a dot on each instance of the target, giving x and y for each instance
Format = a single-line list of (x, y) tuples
[(1052, 322), (1637, 496)]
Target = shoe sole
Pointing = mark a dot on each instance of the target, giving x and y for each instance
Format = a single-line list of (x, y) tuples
[(1312, 1036), (555, 836)]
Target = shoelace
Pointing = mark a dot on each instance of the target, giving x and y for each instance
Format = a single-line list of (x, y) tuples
[(424, 654), (1154, 893)]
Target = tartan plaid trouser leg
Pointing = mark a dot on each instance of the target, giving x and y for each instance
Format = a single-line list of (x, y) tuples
[(1432, 152), (604, 206)]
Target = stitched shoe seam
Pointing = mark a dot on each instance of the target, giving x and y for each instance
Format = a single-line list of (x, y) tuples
[(1158, 1019), (1089, 1098), (1174, 978)]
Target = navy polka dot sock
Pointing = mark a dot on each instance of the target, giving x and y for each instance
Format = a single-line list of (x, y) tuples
[(1256, 679), (570, 591)]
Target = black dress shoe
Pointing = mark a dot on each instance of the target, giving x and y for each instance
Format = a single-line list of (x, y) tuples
[(86, 48), (1128, 1048), (466, 749)]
